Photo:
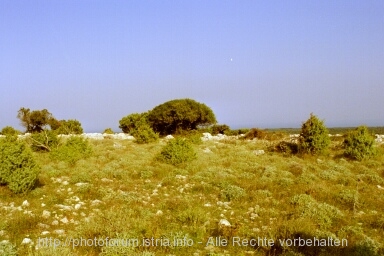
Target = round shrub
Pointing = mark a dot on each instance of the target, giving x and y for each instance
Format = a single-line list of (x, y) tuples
[(132, 122), (178, 115), (314, 138), (359, 144), (71, 126), (144, 134), (177, 151), (18, 168), (108, 131), (9, 130), (74, 149)]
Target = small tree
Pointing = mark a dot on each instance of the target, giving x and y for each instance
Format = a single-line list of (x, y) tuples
[(133, 121), (71, 126), (359, 144), (314, 136), (108, 131), (37, 120), (176, 152), (178, 115), (9, 130), (18, 168)]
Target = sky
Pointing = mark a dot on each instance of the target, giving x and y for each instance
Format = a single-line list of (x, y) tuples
[(265, 64)]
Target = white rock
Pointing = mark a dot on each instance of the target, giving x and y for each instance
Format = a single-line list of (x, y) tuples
[(27, 241), (46, 214), (159, 212), (224, 222), (96, 202), (43, 226), (45, 233), (59, 231), (25, 203), (207, 205), (77, 206), (169, 137), (105, 180), (79, 184), (65, 183), (55, 222), (64, 220), (259, 152)]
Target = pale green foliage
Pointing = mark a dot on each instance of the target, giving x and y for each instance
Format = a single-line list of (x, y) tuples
[(177, 151), (74, 149), (7, 249), (9, 130), (70, 126), (359, 144), (322, 213), (314, 137), (18, 168), (232, 192)]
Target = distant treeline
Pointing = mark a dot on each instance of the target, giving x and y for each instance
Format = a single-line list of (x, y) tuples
[(333, 130)]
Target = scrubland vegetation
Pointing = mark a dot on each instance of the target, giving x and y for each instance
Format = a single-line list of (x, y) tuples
[(186, 189)]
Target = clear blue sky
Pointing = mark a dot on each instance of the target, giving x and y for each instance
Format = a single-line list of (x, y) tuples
[(255, 63)]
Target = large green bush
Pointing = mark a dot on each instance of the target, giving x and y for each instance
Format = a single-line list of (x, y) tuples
[(177, 151), (74, 149), (178, 115), (71, 126), (9, 130), (132, 122), (18, 168), (144, 134), (359, 144), (314, 138)]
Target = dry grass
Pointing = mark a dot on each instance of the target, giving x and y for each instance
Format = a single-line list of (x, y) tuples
[(123, 192)]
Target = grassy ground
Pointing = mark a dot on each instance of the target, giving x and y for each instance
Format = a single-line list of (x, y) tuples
[(123, 192)]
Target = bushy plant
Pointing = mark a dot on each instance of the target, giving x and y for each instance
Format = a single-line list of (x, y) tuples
[(46, 140), (36, 120), (359, 144), (285, 147), (314, 138), (18, 168), (74, 149), (219, 128), (133, 121), (9, 130), (144, 134), (255, 133), (108, 131), (70, 126), (177, 151), (181, 114)]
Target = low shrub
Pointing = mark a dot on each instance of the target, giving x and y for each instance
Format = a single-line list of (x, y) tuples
[(71, 126), (144, 134), (46, 140), (177, 151), (108, 131), (74, 149), (219, 128), (286, 147), (9, 130), (255, 133), (18, 168), (359, 144)]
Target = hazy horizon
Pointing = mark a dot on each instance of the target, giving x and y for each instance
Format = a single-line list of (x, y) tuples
[(255, 64)]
